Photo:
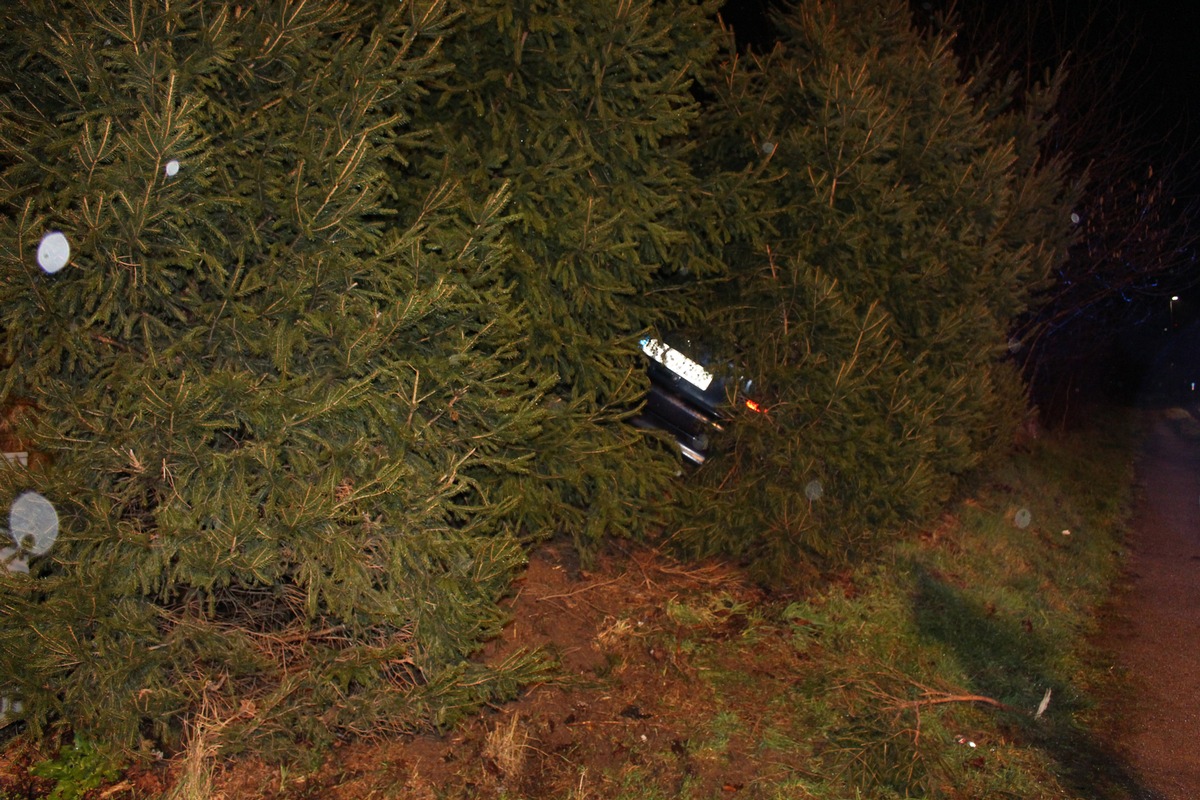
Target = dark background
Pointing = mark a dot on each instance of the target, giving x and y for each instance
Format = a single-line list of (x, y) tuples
[(1131, 104), (1141, 59)]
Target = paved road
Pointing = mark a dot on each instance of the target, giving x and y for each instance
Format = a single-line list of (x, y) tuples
[(1157, 635)]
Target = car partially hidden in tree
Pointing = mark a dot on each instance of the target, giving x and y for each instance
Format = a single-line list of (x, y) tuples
[(688, 398)]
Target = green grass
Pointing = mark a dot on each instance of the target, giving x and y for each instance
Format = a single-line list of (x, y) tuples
[(920, 674), (976, 607)]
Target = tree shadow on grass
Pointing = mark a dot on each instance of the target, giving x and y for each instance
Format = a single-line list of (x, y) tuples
[(1007, 660)]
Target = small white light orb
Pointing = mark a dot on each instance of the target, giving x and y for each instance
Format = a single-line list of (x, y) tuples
[(813, 490), (1074, 218), (172, 168), (33, 523), (768, 147), (54, 252), (1023, 518)]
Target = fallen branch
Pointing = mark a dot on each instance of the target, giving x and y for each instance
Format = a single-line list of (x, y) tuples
[(934, 699), (580, 590)]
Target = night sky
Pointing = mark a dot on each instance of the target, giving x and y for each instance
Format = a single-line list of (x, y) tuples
[(1150, 49), (1141, 59), (1171, 89)]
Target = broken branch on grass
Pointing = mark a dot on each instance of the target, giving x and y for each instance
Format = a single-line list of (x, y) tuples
[(934, 699)]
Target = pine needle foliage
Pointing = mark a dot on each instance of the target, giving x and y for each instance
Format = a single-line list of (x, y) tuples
[(906, 216), (275, 382), (584, 109)]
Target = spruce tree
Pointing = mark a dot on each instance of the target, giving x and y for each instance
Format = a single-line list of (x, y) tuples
[(905, 223), (584, 109), (912, 184), (274, 380)]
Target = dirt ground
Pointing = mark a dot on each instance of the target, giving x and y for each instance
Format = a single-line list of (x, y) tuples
[(1155, 627), (624, 697), (626, 702)]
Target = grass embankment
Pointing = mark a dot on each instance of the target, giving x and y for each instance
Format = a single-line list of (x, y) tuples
[(918, 675), (956, 666)]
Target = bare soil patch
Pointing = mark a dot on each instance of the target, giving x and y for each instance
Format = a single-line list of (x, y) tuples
[(631, 698)]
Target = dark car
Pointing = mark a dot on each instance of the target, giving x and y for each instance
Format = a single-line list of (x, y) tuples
[(687, 399)]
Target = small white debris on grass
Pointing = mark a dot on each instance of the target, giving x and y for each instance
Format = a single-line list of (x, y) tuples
[(1042, 706)]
